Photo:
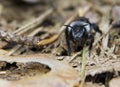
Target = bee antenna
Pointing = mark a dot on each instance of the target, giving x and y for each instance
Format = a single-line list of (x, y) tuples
[(85, 25), (69, 26)]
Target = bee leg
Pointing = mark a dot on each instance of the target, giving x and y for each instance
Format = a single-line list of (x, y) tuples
[(96, 28), (91, 37), (67, 37)]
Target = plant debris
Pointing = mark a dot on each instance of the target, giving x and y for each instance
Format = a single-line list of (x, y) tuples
[(33, 49)]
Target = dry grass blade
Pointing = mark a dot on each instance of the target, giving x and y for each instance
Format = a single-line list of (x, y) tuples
[(83, 68), (33, 23)]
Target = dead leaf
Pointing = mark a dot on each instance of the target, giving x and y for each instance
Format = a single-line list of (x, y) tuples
[(61, 74), (89, 84), (115, 82)]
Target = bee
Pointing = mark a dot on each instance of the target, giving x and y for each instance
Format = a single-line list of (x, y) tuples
[(79, 32)]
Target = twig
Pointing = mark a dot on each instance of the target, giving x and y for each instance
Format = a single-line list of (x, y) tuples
[(48, 41), (18, 46), (30, 41)]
